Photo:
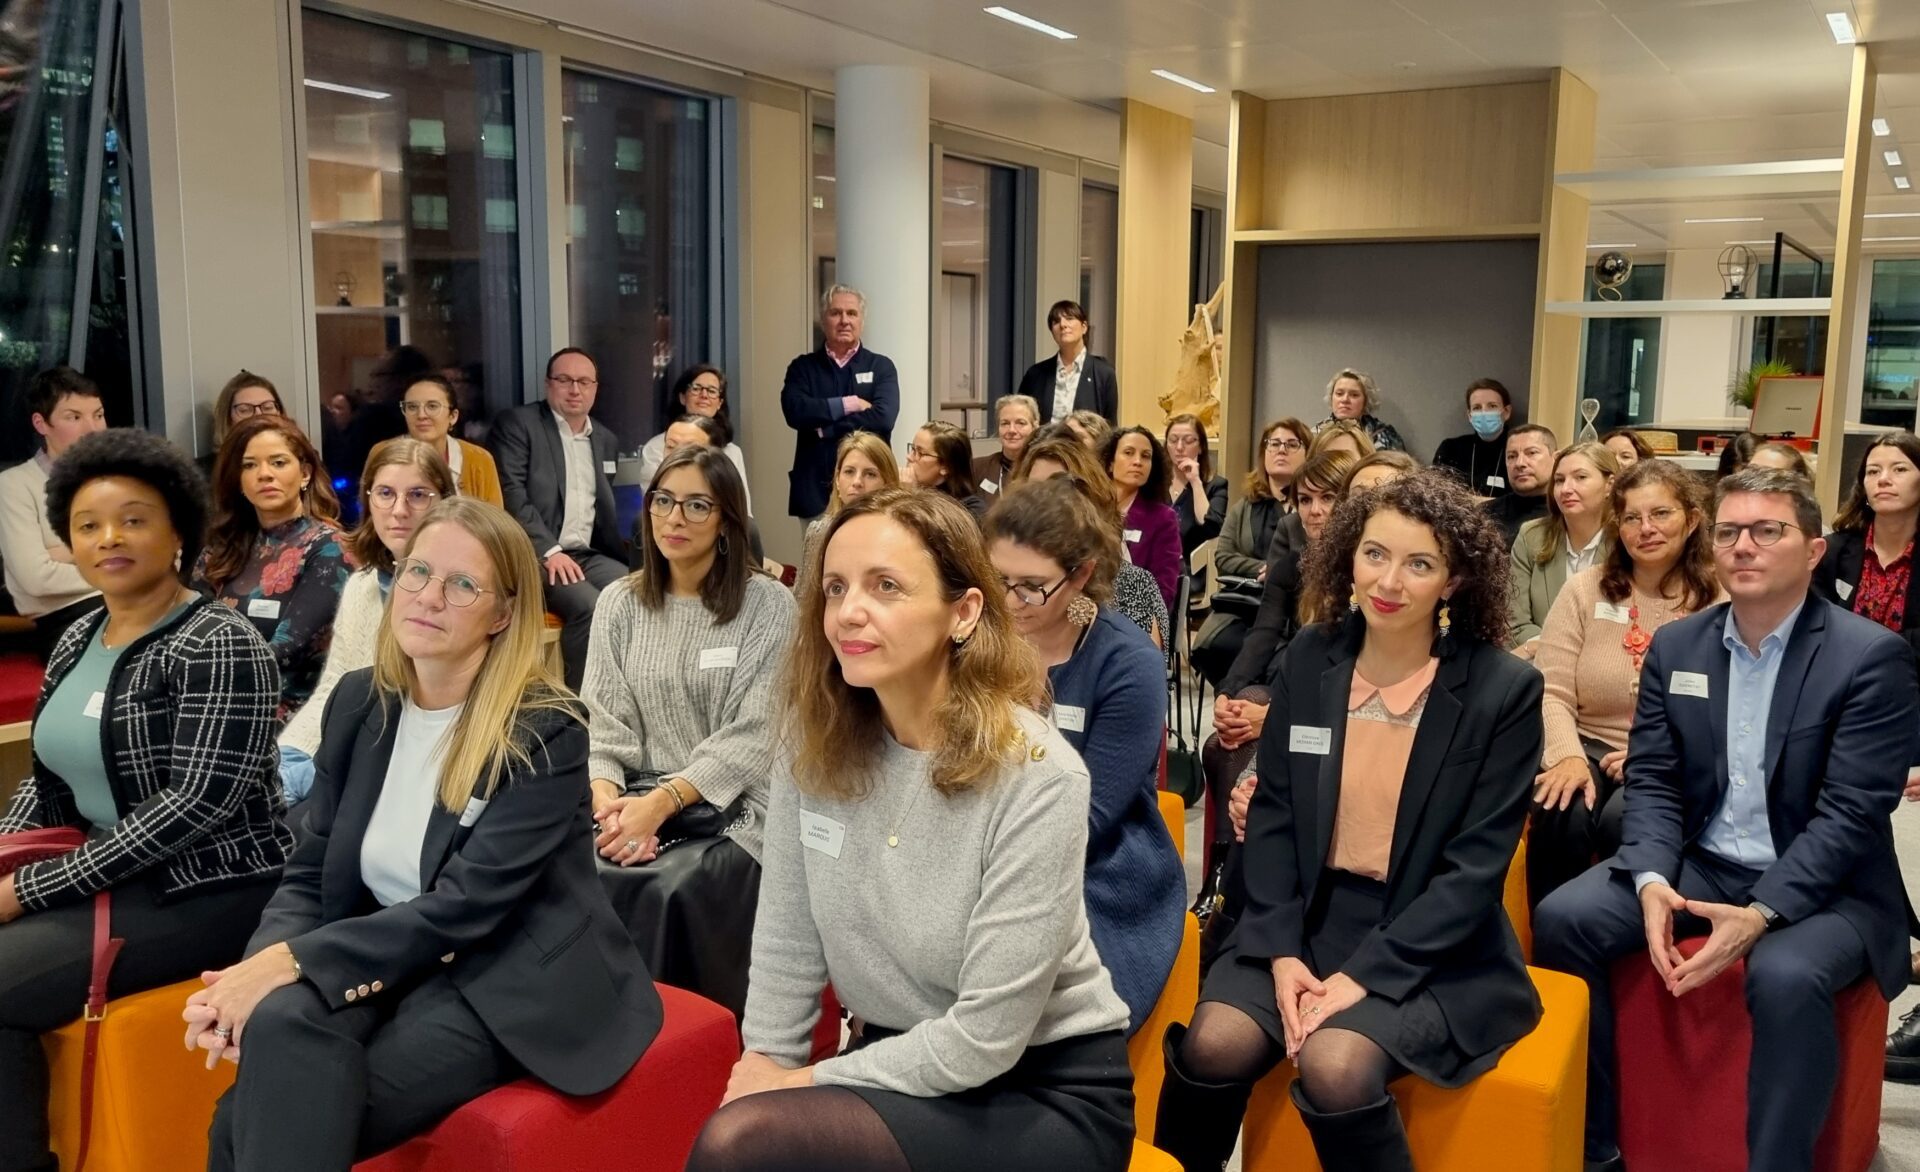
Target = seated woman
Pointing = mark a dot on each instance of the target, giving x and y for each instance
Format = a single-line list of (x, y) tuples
[(862, 463), (941, 458), (154, 733), (431, 413), (926, 855), (1783, 456), (1241, 551), (1151, 532), (701, 431), (1016, 417), (273, 552), (1135, 594), (1341, 435), (403, 479), (1056, 551), (1199, 497), (440, 930), (1572, 537), (1627, 446), (1352, 398), (700, 390), (678, 687), (1659, 568), (244, 396), (1090, 427), (1371, 948)]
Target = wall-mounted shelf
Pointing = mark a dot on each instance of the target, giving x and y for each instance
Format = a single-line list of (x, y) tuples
[(371, 229), (1729, 180), (1370, 235), (1738, 306)]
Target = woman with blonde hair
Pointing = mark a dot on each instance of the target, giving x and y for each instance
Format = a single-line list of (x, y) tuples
[(1575, 535), (918, 798), (440, 929), (1353, 398), (1341, 435), (863, 462), (1092, 427)]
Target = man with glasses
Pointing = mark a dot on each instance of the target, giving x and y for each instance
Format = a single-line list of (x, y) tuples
[(556, 473), (1769, 746), (833, 392)]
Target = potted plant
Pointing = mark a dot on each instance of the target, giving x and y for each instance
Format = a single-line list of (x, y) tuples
[(1745, 383)]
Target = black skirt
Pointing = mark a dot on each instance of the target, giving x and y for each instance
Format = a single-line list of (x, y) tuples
[(1065, 1105), (1414, 1032), (690, 913)]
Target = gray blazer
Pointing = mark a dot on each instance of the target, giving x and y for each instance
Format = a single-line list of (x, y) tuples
[(1532, 587), (533, 478)]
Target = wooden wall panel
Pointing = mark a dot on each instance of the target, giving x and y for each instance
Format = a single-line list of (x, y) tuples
[(1156, 218), (1849, 304), (1555, 388)]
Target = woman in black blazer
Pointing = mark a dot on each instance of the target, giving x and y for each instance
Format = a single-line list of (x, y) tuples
[(440, 929), (1880, 512), (1096, 387), (1374, 942)]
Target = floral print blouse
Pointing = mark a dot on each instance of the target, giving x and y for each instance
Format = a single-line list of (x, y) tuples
[(289, 587)]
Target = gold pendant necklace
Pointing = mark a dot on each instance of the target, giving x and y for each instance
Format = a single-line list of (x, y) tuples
[(893, 834)]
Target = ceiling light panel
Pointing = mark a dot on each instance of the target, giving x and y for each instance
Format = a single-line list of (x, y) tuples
[(1176, 79), (1842, 26), (1025, 21)]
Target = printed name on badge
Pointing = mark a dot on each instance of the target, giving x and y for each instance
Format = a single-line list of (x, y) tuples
[(714, 657), (1688, 683), (1070, 718), (1302, 739), (821, 833)]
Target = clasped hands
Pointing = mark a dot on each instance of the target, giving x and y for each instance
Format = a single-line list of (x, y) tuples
[(1735, 931), (217, 1015), (1238, 722), (1306, 1002), (626, 819), (755, 1072)]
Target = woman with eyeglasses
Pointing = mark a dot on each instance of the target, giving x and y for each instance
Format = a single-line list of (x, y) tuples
[(1658, 569), (404, 478), (679, 691), (274, 551), (1057, 552), (1199, 497), (700, 390), (1240, 554), (941, 458), (245, 396), (431, 412), (439, 930)]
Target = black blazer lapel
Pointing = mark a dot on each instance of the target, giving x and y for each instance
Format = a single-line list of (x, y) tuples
[(437, 844), (1431, 740), (1335, 683), (1853, 559), (367, 773), (1803, 646)]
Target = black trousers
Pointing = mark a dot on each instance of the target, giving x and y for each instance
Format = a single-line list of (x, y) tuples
[(574, 604), (47, 957), (1792, 976), (1563, 844), (320, 1088)]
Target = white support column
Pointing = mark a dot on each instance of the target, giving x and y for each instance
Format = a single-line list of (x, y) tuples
[(883, 189)]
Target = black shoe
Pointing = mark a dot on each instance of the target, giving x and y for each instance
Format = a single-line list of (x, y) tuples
[(1612, 1163), (1198, 1122), (1365, 1139), (1903, 1048), (1213, 887)]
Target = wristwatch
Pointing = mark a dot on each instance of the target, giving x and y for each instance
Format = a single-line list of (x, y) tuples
[(1773, 919)]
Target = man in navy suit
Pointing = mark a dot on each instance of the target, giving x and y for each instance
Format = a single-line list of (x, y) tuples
[(833, 392), (1768, 749)]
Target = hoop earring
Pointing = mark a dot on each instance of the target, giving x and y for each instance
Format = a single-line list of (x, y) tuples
[(720, 546)]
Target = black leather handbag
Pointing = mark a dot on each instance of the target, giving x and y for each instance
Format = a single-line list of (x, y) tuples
[(1238, 596), (699, 820)]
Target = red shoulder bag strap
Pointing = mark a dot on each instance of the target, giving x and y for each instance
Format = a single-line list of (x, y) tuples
[(106, 947)]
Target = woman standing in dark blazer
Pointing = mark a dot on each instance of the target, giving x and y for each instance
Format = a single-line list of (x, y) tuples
[(1871, 546), (440, 930), (1074, 379), (1393, 785)]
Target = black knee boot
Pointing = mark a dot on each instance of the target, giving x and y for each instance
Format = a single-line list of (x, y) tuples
[(1365, 1139), (1198, 1122)]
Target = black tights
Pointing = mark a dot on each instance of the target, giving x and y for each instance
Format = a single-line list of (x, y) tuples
[(804, 1129), (1340, 1070)]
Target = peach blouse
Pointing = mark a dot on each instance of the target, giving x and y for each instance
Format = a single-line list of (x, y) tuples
[(1380, 727)]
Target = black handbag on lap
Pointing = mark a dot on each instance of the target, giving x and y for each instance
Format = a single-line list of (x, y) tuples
[(1238, 596), (699, 820)]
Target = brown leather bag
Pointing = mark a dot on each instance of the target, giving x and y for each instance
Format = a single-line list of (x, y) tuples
[(22, 848)]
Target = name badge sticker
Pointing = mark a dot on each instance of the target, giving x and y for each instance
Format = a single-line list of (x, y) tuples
[(609, 466), (1688, 683), (863, 376), (475, 808), (714, 657), (1130, 536), (1843, 589), (96, 704), (1496, 482), (263, 608), (1612, 612), (1070, 718), (988, 486), (821, 833), (1318, 741)]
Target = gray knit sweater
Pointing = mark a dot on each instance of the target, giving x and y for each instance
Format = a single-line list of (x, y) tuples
[(675, 691), (970, 935)]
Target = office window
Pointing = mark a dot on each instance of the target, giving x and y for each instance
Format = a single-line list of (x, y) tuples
[(412, 174), (639, 245), (1099, 263), (1893, 345), (1800, 342), (974, 358), (1207, 254), (1621, 364), (823, 227)]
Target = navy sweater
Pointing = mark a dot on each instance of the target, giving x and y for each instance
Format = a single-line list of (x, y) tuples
[(1113, 690), (811, 397)]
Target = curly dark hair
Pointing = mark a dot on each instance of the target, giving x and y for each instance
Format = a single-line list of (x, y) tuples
[(136, 455), (1469, 541)]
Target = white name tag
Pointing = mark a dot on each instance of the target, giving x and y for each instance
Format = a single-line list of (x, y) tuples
[(609, 466), (714, 657), (1496, 482), (1688, 683), (475, 808), (96, 704), (1318, 741), (989, 486), (821, 833), (1613, 612), (1844, 590), (863, 376), (263, 608), (1130, 536), (1069, 718)]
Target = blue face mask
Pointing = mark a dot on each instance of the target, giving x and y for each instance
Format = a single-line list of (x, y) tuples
[(1486, 424)]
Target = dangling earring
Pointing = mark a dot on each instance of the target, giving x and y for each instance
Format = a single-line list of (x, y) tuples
[(1082, 611), (1446, 620), (1353, 601), (720, 546)]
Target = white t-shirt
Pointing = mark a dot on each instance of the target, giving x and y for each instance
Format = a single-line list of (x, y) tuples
[(397, 832)]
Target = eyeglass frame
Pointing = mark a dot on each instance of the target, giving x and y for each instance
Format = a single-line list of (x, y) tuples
[(429, 407), (1279, 444), (394, 496), (399, 582), (674, 502), (1638, 520), (695, 389), (567, 380), (236, 412), (1046, 592), (1748, 530)]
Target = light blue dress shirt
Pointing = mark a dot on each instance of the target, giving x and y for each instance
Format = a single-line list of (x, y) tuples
[(1738, 831)]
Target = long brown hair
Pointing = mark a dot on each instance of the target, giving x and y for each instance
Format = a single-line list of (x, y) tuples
[(404, 452), (1206, 453), (834, 729), (1256, 487), (235, 523), (877, 453), (1855, 512), (954, 451), (1068, 452), (1695, 569), (725, 587), (1553, 526)]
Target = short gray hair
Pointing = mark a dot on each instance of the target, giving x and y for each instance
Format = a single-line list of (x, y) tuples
[(1026, 401), (1774, 482), (1365, 380), (826, 299)]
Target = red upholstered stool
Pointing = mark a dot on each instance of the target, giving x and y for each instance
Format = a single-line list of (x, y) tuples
[(20, 676), (1694, 1050), (646, 1123)]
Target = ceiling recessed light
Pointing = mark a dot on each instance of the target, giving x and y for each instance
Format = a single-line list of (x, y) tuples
[(334, 87), (1729, 220), (1025, 21), (1185, 81), (1902, 182), (1591, 247), (1842, 26), (1892, 158), (1881, 128)]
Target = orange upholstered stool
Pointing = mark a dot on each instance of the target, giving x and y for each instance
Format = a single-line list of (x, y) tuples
[(152, 1100), (1528, 1112), (1144, 1052), (1150, 1159), (1514, 899)]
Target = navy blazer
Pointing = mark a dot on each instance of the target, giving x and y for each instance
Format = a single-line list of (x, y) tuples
[(511, 906), (809, 399), (1463, 803), (1099, 388), (1840, 733)]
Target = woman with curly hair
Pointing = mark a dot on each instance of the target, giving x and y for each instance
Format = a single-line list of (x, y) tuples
[(1371, 948), (1151, 530), (1353, 398)]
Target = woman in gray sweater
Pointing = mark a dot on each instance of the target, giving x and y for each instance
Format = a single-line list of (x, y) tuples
[(680, 671), (925, 854)]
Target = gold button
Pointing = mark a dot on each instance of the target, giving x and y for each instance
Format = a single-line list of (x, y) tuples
[(1038, 753), (364, 990), (376, 986), (351, 994), (447, 959)]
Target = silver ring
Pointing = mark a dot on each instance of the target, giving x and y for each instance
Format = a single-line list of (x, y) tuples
[(1315, 1011), (633, 844), (224, 1033)]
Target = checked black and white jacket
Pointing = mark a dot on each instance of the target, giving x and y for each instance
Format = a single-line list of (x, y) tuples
[(188, 737)]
